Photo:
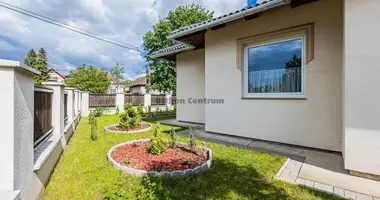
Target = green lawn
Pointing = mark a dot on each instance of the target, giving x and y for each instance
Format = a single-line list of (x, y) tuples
[(83, 172)]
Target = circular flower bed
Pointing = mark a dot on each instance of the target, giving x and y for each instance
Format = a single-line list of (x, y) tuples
[(134, 158), (116, 128)]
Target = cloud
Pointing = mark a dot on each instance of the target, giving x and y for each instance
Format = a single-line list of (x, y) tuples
[(126, 21)]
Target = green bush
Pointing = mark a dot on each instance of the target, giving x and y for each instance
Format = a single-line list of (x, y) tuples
[(91, 117), (140, 110), (99, 111), (117, 110), (173, 138), (94, 129), (158, 143), (192, 142), (129, 118), (149, 110)]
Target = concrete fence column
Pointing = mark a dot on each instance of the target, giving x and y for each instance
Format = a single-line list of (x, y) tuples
[(120, 101), (85, 111), (17, 122), (147, 100), (70, 104), (58, 110), (169, 100), (76, 101)]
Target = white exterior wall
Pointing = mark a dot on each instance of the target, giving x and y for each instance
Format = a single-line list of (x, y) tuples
[(362, 81), (314, 122), (191, 84)]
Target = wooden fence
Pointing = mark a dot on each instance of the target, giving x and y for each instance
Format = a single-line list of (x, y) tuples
[(102, 100), (174, 99), (65, 107), (134, 99), (42, 113), (158, 99)]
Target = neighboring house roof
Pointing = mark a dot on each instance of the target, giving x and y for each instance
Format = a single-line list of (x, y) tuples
[(139, 81), (55, 71), (109, 76), (183, 34)]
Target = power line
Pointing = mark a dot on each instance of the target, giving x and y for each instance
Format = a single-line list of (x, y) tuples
[(66, 26)]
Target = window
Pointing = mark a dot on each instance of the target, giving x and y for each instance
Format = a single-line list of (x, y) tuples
[(275, 69)]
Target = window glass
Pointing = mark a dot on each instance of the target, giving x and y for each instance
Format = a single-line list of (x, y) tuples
[(275, 68)]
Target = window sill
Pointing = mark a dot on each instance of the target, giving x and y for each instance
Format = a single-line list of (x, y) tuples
[(43, 151)]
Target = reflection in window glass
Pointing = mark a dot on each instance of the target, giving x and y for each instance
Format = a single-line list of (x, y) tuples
[(275, 68)]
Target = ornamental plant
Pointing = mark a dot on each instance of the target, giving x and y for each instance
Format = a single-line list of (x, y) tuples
[(140, 110), (158, 143), (94, 129), (149, 110), (192, 142), (117, 110), (158, 111), (91, 117), (173, 138), (129, 118), (167, 111)]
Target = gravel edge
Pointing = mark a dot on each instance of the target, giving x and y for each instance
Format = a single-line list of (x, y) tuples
[(126, 132), (174, 174)]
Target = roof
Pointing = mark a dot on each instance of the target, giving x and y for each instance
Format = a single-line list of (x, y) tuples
[(139, 81), (172, 49), (265, 5), (18, 65), (214, 22), (55, 71)]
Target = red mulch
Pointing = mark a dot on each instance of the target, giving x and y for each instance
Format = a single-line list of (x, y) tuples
[(170, 160), (138, 127)]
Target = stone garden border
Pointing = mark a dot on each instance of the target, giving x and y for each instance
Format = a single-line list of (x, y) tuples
[(174, 174), (107, 129)]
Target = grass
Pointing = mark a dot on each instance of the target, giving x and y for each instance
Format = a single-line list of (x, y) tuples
[(83, 172)]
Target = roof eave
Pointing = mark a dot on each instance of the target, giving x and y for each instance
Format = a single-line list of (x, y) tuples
[(173, 52), (230, 18)]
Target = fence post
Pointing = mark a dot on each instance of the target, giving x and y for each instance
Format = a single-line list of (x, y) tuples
[(147, 100), (85, 104), (16, 122), (120, 101), (168, 100), (76, 102), (58, 118), (70, 104)]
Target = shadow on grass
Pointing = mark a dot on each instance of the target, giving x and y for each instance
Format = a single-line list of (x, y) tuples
[(226, 180)]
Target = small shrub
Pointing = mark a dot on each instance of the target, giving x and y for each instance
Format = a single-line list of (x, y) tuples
[(117, 110), (167, 111), (192, 142), (185, 162), (94, 129), (128, 119), (127, 162), (173, 138), (140, 110), (149, 110), (91, 117), (99, 111), (158, 143), (158, 110)]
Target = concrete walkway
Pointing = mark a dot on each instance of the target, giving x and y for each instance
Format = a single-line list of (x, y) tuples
[(317, 169)]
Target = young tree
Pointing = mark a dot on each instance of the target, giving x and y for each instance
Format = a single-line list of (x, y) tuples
[(163, 76), (39, 62), (42, 66), (89, 79), (118, 74)]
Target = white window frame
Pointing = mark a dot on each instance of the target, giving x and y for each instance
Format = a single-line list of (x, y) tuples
[(289, 95)]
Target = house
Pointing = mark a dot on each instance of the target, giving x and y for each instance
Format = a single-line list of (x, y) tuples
[(301, 72), (54, 74), (114, 87), (138, 85)]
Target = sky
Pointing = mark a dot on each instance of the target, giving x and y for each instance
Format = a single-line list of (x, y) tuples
[(122, 20)]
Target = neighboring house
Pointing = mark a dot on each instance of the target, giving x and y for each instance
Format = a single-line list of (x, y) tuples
[(114, 87), (138, 85), (300, 72), (54, 74)]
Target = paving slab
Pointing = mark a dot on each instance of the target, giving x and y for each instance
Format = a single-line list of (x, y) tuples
[(363, 197), (174, 122), (349, 194), (339, 191), (323, 187)]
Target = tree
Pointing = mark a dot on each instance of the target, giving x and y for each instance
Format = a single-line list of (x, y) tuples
[(118, 74), (163, 76), (39, 62), (89, 79)]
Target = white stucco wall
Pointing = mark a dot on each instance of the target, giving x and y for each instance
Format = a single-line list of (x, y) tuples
[(362, 81), (191, 84), (314, 122)]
